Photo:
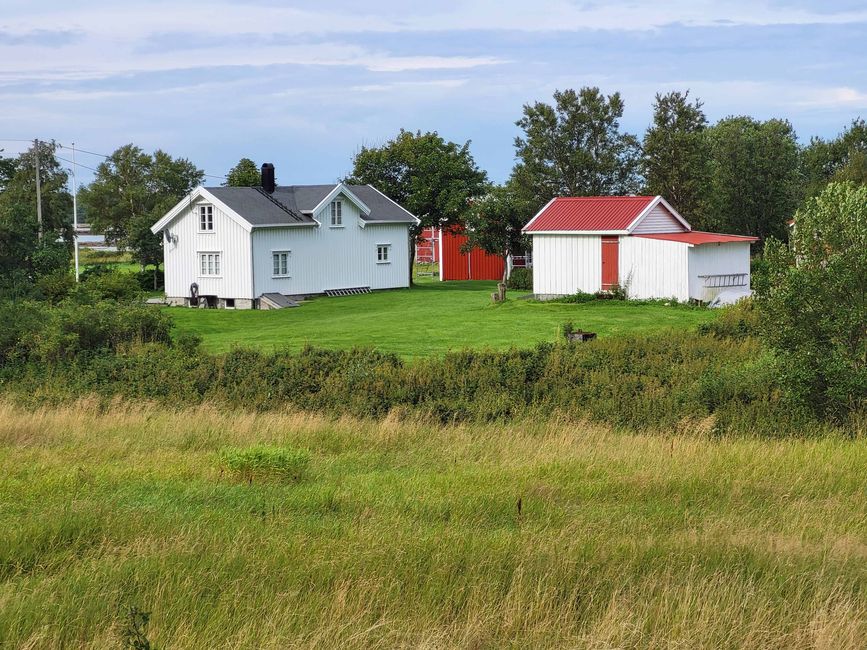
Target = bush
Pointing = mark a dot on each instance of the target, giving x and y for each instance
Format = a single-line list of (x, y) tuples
[(56, 286), (148, 278), (521, 280), (736, 321), (109, 284), (262, 463)]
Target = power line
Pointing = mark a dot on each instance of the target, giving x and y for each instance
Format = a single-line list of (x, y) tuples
[(102, 155), (77, 164)]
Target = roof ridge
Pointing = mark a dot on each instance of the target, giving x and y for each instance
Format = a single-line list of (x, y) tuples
[(279, 204)]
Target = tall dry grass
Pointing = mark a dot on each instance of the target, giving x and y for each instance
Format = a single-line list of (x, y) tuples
[(409, 535)]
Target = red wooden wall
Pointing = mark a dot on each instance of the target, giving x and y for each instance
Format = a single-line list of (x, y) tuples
[(456, 265)]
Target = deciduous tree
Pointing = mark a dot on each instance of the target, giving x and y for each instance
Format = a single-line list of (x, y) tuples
[(813, 300), (575, 147), (245, 174), (494, 223), (131, 191), (429, 176), (755, 187), (676, 156), (843, 158), (23, 257)]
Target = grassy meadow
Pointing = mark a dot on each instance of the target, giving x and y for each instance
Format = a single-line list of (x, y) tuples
[(405, 534), (431, 318)]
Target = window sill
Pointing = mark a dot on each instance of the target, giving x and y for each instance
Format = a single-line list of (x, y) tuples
[(281, 277), (210, 277), (386, 262), (205, 232)]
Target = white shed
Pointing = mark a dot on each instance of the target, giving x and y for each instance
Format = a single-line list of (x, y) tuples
[(245, 247), (640, 243)]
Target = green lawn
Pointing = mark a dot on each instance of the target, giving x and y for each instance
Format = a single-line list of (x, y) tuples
[(430, 318)]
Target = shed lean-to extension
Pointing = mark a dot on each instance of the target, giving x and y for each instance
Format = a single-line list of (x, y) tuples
[(641, 243), (239, 244)]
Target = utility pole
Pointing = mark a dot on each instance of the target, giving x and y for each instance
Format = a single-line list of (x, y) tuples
[(38, 190), (75, 210)]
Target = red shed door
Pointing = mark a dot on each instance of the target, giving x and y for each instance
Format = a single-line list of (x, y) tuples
[(610, 258)]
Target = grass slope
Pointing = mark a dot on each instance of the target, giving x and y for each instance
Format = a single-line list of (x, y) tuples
[(404, 535), (430, 318)]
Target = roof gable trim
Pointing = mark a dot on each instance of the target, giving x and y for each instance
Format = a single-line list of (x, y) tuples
[(339, 189), (658, 200), (187, 202)]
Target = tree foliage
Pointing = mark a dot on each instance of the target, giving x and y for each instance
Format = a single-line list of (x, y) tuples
[(131, 191), (755, 186), (432, 178), (575, 147), (676, 156), (842, 159), (495, 220), (23, 258), (813, 299), (245, 174)]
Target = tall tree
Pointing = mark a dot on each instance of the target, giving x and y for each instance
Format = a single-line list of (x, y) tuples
[(494, 223), (755, 186), (813, 302), (245, 174), (843, 158), (131, 191), (432, 178), (22, 254), (675, 158), (575, 147)]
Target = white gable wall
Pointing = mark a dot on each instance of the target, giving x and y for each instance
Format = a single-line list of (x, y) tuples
[(327, 257), (658, 220), (716, 259), (566, 264), (654, 268), (181, 259)]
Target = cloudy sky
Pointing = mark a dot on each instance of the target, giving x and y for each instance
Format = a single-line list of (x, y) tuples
[(304, 84)]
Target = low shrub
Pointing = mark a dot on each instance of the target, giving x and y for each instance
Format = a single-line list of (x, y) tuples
[(521, 280), (111, 284), (151, 279), (737, 321), (266, 463)]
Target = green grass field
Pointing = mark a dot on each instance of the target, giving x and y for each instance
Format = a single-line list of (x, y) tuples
[(430, 318), (408, 535)]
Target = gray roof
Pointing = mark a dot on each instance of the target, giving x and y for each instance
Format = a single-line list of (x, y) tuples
[(286, 206)]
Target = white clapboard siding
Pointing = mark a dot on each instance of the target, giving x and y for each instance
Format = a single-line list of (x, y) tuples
[(658, 220), (716, 259), (654, 268), (182, 258), (566, 264), (331, 258)]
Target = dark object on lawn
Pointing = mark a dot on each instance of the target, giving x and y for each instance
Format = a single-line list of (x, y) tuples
[(571, 334)]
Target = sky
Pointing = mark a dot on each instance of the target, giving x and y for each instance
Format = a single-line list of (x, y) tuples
[(305, 84)]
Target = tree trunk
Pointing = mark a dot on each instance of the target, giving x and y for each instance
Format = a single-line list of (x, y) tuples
[(155, 277)]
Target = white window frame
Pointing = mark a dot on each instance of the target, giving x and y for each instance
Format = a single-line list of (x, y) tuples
[(386, 257), (206, 210), (217, 266), (337, 214), (274, 253)]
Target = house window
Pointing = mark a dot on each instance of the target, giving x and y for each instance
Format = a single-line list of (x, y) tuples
[(209, 264), (281, 264), (337, 213), (206, 218), (382, 253)]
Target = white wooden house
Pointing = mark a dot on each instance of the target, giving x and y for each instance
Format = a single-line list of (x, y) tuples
[(640, 243), (248, 247)]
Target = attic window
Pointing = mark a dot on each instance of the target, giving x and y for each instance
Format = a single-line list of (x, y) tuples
[(337, 213), (206, 218)]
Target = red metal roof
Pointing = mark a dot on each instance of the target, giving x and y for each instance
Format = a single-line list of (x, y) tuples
[(589, 213), (698, 238)]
